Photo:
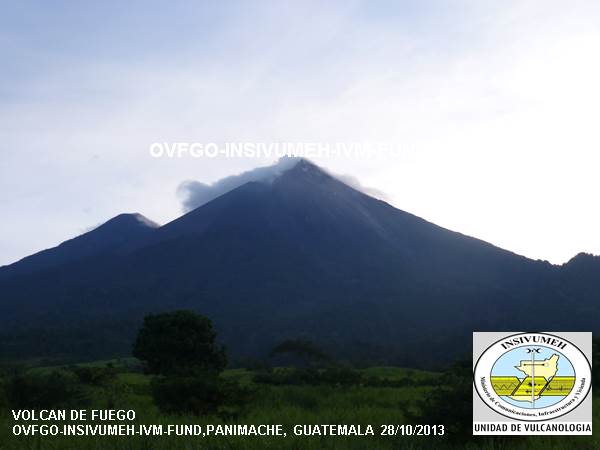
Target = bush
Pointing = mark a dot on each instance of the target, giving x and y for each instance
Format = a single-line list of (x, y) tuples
[(334, 376), (450, 403), (407, 381), (341, 376), (291, 376), (97, 376), (200, 395), (57, 389)]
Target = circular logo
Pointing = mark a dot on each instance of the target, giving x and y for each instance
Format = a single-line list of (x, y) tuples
[(532, 376)]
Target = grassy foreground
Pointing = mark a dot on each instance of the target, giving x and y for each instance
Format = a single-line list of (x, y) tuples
[(281, 404)]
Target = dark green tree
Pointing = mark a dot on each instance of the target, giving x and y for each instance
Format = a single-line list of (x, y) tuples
[(180, 349), (179, 343)]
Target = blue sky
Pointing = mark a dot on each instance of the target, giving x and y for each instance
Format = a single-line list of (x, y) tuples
[(496, 104)]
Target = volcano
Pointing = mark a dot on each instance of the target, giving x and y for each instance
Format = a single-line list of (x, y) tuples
[(299, 255)]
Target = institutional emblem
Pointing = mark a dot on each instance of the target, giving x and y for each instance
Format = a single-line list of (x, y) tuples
[(529, 379)]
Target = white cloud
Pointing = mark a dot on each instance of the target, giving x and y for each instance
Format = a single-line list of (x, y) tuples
[(497, 101), (194, 193)]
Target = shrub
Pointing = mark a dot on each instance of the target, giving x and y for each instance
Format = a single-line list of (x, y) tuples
[(97, 376), (340, 376), (201, 394), (449, 403), (57, 389)]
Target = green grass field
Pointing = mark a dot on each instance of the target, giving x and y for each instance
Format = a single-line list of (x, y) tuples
[(281, 404)]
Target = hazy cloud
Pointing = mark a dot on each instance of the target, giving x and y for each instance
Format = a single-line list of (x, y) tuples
[(354, 182), (195, 193)]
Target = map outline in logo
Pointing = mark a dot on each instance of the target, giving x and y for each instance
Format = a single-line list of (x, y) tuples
[(534, 377), (580, 383)]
